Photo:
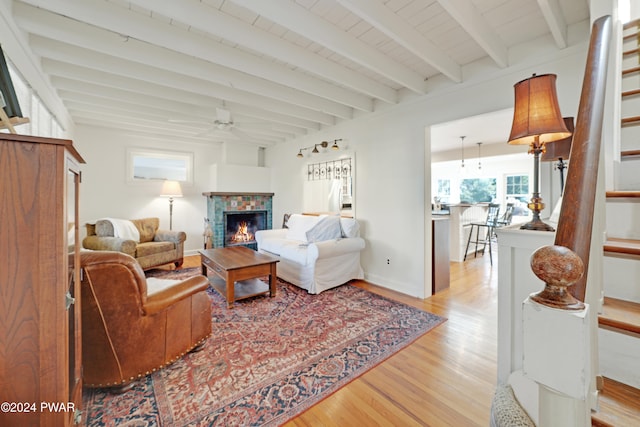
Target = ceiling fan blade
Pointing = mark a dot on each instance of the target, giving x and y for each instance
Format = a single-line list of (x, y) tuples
[(206, 132), (195, 122)]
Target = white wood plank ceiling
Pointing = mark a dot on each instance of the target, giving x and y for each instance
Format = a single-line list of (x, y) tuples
[(276, 69)]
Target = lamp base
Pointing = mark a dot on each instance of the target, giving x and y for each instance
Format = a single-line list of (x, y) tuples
[(536, 205), (537, 225)]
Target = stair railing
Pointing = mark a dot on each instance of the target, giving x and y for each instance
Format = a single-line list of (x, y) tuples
[(564, 266)]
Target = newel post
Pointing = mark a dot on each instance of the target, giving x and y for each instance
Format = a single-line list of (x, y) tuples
[(557, 340)]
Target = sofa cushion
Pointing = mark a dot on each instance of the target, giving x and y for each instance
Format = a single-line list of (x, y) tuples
[(299, 225), (152, 248), (292, 250), (147, 228), (327, 228)]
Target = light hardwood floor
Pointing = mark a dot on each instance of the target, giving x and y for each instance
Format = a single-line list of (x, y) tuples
[(445, 378)]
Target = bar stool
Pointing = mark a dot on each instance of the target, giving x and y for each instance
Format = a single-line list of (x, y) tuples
[(507, 216), (489, 224)]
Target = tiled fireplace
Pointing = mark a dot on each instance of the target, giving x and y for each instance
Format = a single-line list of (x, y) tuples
[(235, 217)]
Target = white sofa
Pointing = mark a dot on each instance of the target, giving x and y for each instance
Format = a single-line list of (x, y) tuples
[(316, 252)]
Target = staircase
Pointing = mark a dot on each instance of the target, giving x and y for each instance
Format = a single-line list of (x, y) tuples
[(619, 322)]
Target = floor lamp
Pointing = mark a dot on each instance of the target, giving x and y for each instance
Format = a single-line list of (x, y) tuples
[(559, 151), (171, 189), (537, 121)]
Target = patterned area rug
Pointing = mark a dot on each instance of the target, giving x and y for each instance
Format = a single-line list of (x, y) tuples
[(268, 359)]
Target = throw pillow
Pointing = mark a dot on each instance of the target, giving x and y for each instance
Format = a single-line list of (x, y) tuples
[(327, 228), (350, 227), (299, 225), (147, 228)]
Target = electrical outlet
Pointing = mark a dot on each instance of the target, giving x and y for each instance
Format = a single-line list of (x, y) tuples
[(388, 261)]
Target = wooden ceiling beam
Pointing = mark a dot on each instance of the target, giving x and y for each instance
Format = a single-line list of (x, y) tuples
[(299, 20), (208, 19), (385, 20), (166, 36), (556, 22), (466, 14)]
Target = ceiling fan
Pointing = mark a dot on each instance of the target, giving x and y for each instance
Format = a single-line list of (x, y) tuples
[(223, 120), (223, 123)]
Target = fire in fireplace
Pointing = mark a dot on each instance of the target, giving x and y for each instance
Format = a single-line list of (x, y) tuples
[(241, 227)]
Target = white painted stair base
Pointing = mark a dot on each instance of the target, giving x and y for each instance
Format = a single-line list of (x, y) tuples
[(622, 277), (623, 216), (515, 282), (619, 350), (629, 175), (619, 358)]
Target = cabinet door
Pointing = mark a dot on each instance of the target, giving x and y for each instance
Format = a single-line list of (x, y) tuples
[(72, 298)]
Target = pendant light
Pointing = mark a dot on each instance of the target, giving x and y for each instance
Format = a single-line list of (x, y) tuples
[(462, 149), (479, 155)]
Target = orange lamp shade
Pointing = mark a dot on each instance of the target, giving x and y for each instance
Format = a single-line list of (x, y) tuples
[(560, 149), (536, 115)]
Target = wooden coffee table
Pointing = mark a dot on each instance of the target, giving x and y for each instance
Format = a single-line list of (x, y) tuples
[(237, 269)]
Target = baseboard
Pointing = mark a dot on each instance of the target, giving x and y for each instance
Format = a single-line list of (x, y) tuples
[(384, 282)]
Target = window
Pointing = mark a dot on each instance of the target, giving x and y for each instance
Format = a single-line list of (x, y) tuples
[(444, 190), (41, 121), (477, 190), (517, 185), (517, 192), (148, 164)]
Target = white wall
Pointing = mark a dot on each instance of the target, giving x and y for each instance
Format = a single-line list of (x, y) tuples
[(390, 157), (105, 191)]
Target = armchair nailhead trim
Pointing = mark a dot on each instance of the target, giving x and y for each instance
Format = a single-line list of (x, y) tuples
[(140, 375)]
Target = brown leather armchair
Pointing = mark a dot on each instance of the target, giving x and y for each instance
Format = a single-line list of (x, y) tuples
[(127, 334)]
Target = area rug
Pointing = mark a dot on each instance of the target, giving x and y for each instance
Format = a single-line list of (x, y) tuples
[(268, 360)]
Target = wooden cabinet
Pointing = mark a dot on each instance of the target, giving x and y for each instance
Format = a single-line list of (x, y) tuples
[(40, 336), (439, 254)]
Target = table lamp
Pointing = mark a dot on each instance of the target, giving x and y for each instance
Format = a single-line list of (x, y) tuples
[(536, 121)]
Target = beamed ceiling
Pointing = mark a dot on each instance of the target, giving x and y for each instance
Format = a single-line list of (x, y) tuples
[(276, 68)]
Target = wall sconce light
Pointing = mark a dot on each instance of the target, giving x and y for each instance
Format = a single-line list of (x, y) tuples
[(537, 120), (560, 151), (323, 144), (171, 189)]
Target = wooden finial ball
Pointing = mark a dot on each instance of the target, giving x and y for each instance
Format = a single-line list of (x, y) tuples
[(557, 265)]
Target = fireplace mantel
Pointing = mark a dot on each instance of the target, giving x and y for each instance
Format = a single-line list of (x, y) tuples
[(233, 193)]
